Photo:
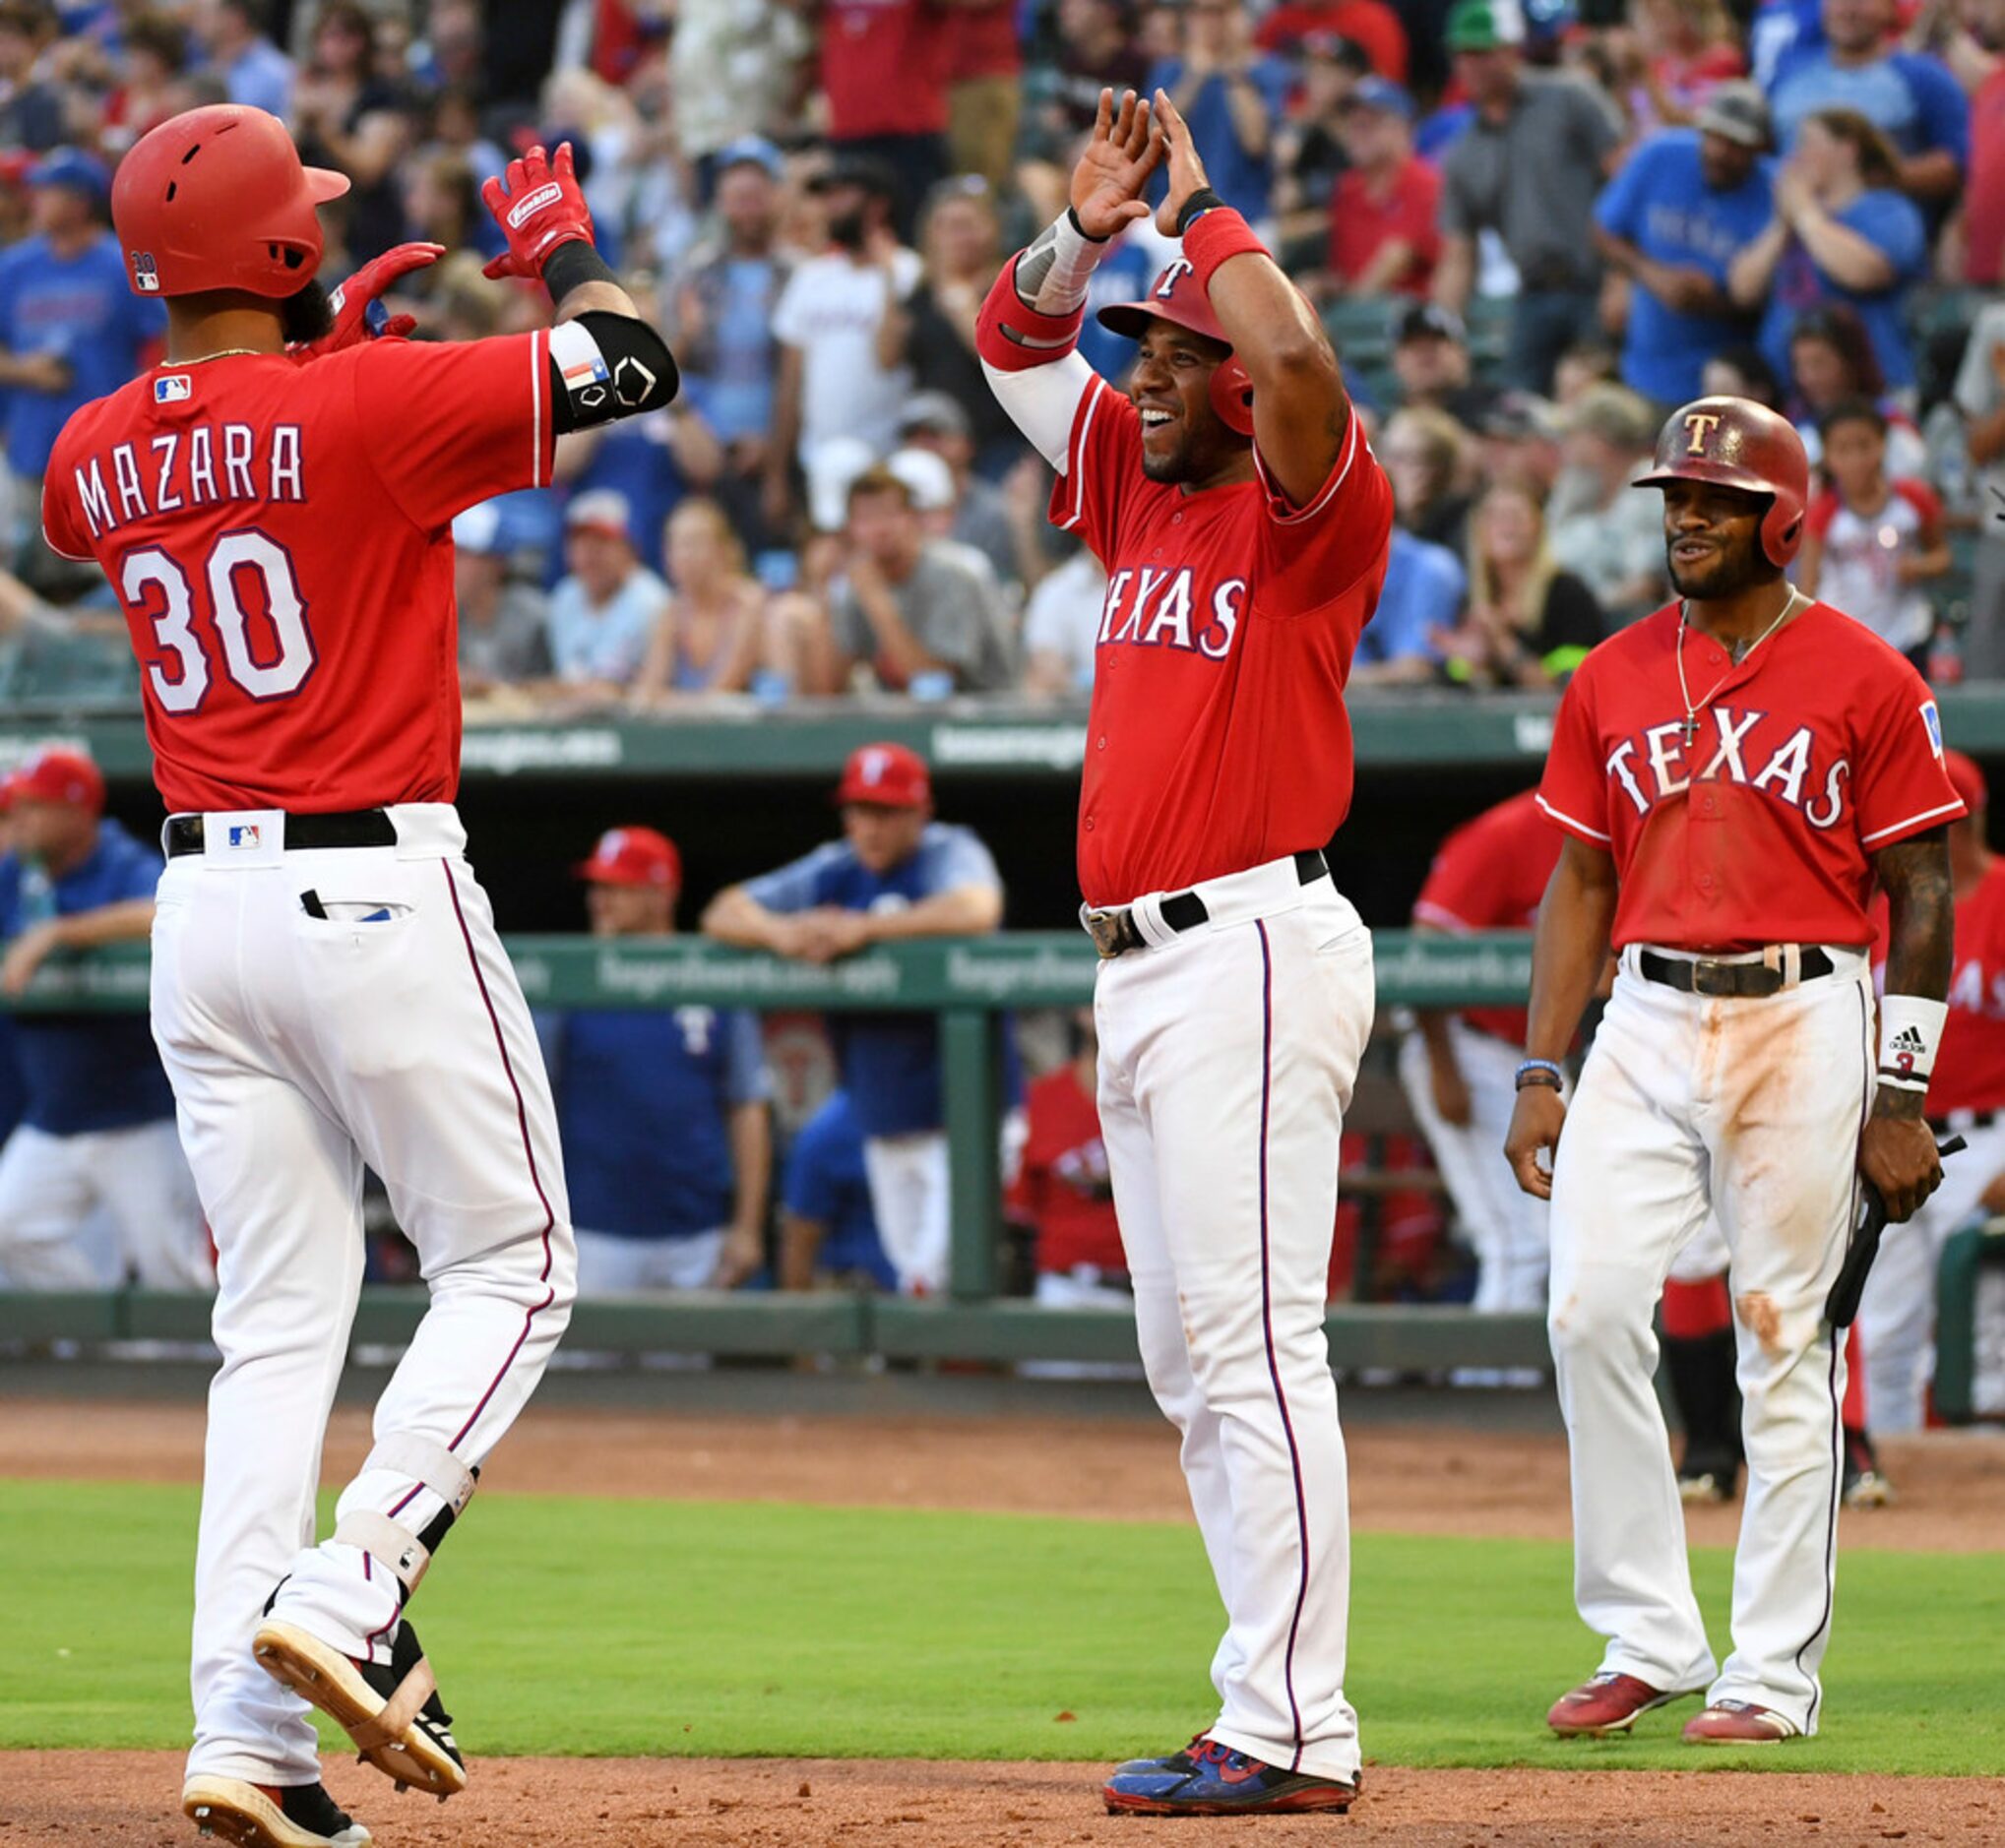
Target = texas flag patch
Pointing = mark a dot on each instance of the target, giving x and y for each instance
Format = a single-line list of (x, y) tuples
[(586, 369), (172, 388)]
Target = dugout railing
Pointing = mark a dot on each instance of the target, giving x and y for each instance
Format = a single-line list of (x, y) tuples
[(971, 983)]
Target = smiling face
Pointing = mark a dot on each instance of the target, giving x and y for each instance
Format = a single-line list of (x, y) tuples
[(1712, 538), (1183, 439)]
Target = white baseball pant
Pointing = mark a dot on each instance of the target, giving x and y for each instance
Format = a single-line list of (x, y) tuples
[(1751, 1109), (611, 1266), (1505, 1225), (1897, 1311), (300, 1048), (909, 1177), (1227, 1057), (52, 1186)]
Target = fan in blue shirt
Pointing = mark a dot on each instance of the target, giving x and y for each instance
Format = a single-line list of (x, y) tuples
[(896, 873), (71, 329), (1422, 600), (1685, 203), (663, 1112), (827, 1227)]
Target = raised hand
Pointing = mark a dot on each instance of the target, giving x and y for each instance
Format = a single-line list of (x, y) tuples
[(1186, 170), (354, 299), (1125, 149), (539, 206)]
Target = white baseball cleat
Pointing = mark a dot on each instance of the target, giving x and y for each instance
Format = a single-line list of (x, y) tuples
[(265, 1815)]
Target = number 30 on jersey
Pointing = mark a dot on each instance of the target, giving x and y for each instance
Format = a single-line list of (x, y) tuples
[(158, 589)]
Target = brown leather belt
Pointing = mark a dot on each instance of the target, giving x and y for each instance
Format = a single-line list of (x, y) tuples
[(1114, 933)]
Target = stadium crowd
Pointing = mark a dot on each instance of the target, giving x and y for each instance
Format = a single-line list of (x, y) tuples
[(1529, 228)]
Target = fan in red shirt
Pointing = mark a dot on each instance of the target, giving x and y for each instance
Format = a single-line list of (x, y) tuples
[(1243, 524), (886, 65), (1384, 238), (1734, 773), (985, 88), (1460, 1069)]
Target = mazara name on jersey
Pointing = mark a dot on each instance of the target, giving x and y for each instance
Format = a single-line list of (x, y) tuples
[(201, 465), (1165, 612), (1756, 749)]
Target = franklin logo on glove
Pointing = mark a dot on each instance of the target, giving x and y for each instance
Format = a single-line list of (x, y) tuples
[(521, 213)]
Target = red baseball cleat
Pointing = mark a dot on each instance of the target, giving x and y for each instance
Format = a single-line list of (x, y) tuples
[(1607, 1703), (1739, 1723)]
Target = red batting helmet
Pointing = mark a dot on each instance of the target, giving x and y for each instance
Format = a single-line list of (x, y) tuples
[(1740, 444), (1179, 298), (217, 199)]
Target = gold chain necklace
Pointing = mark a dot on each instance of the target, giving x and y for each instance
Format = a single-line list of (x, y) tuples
[(1684, 622), (228, 352)]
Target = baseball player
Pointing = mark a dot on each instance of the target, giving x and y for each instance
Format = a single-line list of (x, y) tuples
[(97, 1136), (897, 873), (1896, 1313), (1457, 1067), (1732, 773), (664, 1112), (1243, 524), (328, 989)]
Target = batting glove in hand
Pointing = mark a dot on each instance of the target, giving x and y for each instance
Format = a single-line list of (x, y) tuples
[(538, 205), (359, 314)]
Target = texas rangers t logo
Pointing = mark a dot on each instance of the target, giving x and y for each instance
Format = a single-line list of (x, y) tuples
[(1702, 425), (1166, 286)]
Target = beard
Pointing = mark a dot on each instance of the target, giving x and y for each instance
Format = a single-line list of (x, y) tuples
[(1168, 470), (1724, 577), (307, 315)]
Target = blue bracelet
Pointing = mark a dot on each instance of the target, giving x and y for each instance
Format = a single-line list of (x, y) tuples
[(1539, 1065)]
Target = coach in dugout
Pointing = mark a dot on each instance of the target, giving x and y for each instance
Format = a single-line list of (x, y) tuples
[(664, 1112), (97, 1133), (897, 873)]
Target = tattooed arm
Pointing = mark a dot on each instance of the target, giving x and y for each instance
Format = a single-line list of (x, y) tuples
[(1897, 1152)]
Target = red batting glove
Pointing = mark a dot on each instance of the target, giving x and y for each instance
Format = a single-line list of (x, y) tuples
[(353, 300), (539, 207)]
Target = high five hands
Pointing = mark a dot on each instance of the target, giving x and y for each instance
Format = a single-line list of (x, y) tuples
[(1129, 142)]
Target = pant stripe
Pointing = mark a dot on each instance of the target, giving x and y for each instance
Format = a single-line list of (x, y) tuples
[(535, 1180), (1267, 1328), (1836, 1408)]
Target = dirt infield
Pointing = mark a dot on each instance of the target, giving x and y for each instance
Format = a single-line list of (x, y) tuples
[(130, 1798), (1404, 1478)]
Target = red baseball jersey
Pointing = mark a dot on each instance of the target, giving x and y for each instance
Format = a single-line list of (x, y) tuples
[(1489, 875), (1970, 1068), (1818, 750), (1217, 738), (279, 536), (1062, 1188)]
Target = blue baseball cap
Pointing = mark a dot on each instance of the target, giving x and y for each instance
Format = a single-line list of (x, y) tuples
[(1381, 93), (71, 168), (753, 151)]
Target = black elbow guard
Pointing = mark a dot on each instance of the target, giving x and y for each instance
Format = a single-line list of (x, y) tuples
[(605, 366)]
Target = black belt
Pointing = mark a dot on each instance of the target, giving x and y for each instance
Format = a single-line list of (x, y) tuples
[(354, 828), (1114, 933), (1747, 979)]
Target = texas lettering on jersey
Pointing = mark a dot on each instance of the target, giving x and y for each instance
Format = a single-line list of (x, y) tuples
[(1758, 823), (1217, 738)]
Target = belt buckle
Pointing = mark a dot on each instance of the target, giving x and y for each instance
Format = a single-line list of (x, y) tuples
[(1716, 978), (1105, 928)]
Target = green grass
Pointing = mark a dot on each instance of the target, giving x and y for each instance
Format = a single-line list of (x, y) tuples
[(578, 1626)]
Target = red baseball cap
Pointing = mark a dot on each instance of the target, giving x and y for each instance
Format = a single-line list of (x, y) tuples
[(886, 775), (634, 856), (1967, 779), (54, 774)]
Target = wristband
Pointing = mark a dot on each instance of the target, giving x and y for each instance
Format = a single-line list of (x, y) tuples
[(1535, 1072), (1195, 206), (1218, 234), (1073, 216), (1911, 1032), (574, 262)]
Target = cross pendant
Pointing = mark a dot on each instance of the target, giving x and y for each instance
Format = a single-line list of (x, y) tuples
[(1691, 729)]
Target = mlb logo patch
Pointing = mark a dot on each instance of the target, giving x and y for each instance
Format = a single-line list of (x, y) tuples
[(146, 274), (246, 834), (1933, 719), (171, 388)]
